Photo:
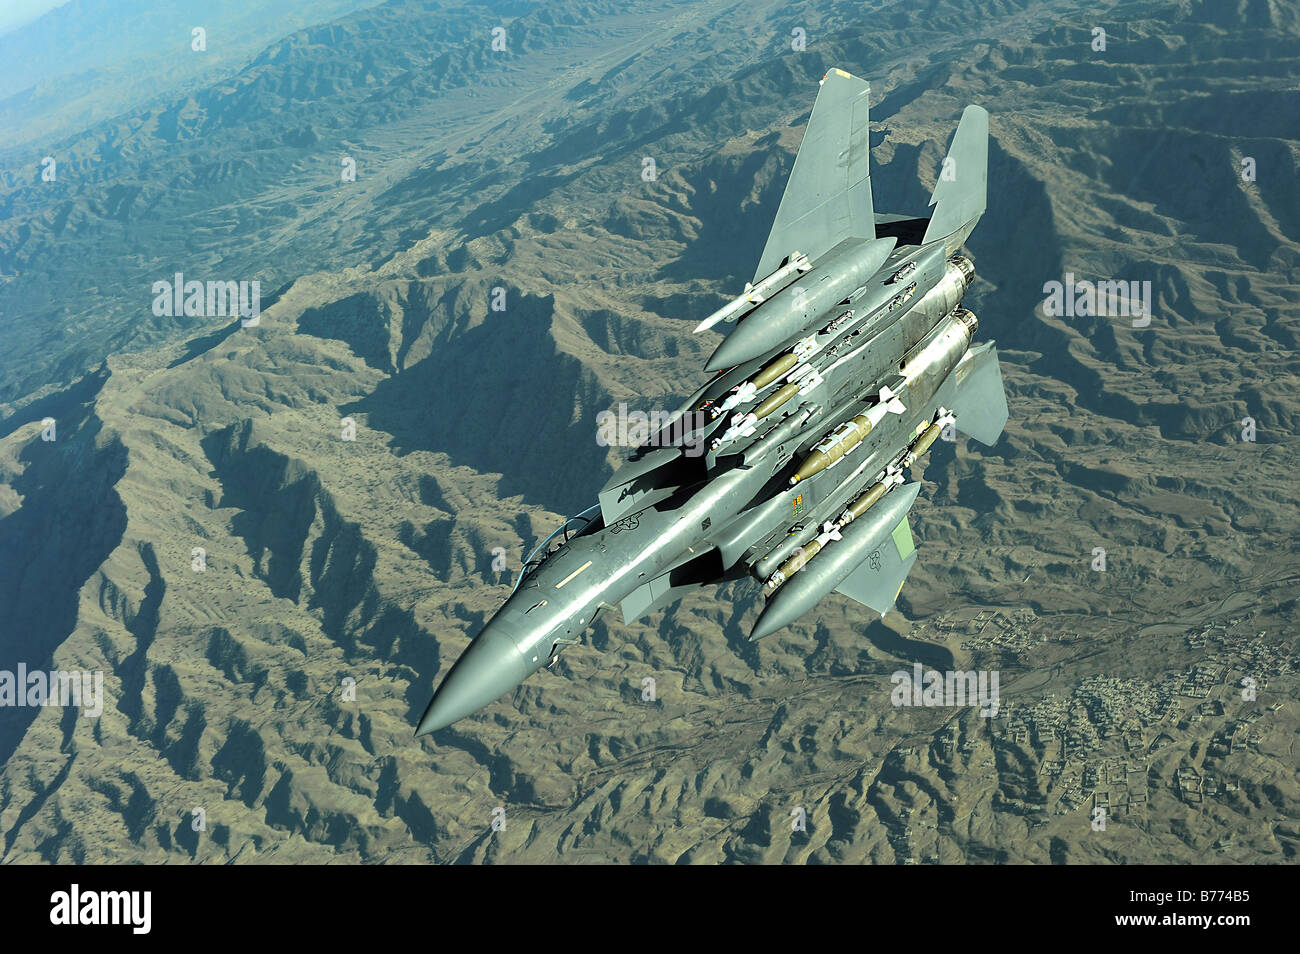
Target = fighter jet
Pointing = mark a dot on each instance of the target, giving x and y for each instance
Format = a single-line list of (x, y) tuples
[(849, 357)]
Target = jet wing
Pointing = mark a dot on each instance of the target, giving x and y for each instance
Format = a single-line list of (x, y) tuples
[(828, 196), (879, 578)]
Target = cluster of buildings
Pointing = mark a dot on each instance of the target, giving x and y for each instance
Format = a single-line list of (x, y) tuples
[(1094, 746), (1111, 742)]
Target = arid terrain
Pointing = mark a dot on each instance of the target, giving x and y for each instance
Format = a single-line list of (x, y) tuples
[(271, 604)]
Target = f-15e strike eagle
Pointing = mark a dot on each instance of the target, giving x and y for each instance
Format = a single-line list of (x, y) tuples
[(851, 353)]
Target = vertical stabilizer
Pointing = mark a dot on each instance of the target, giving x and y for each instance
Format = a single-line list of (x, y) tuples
[(961, 194), (828, 196)]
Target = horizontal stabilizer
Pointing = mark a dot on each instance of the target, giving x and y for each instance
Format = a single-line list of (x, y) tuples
[(980, 400)]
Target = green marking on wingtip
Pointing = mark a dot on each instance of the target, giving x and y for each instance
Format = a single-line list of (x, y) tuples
[(903, 539)]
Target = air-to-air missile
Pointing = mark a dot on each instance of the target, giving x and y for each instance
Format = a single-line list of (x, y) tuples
[(849, 357)]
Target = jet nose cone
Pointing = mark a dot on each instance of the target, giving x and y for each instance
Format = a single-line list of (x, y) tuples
[(490, 668)]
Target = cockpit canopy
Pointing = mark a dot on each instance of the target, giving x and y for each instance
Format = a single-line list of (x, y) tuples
[(579, 525)]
